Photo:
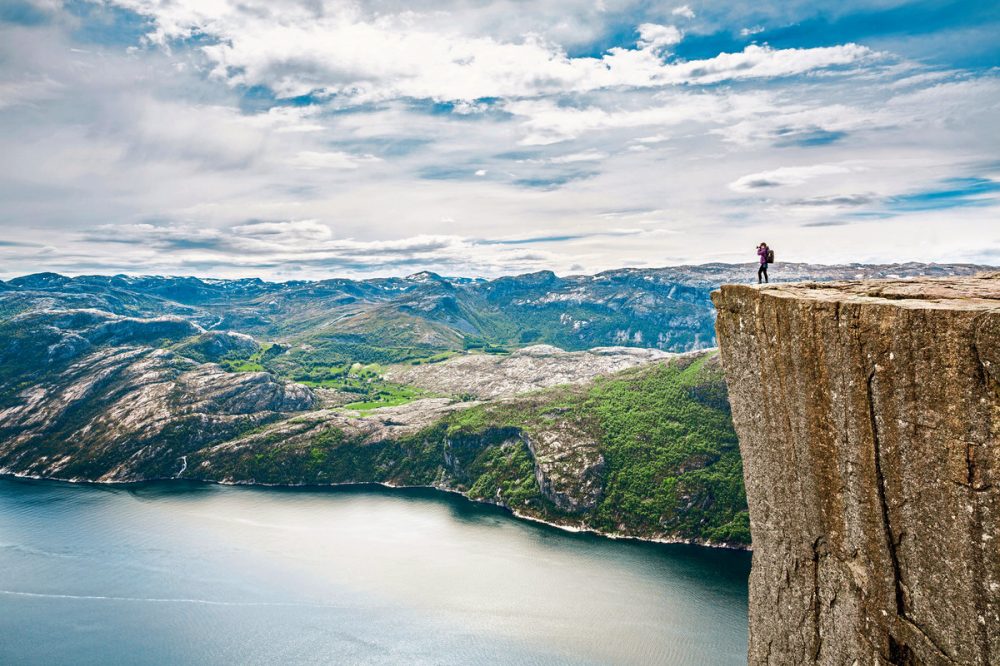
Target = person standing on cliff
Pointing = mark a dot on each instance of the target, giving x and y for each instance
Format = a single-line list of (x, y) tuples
[(762, 253)]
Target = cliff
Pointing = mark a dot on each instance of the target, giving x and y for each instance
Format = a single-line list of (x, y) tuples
[(868, 415)]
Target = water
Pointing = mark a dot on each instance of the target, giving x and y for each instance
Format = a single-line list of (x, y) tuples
[(168, 573)]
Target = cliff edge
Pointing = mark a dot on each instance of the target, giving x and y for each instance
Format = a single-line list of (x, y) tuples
[(868, 415)]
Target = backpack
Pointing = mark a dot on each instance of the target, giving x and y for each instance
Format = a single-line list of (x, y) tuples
[(770, 256)]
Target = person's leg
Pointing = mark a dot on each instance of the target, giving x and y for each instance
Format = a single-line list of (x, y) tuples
[(765, 273), (759, 272)]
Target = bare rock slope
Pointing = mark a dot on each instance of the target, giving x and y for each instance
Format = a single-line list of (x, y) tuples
[(534, 367), (868, 415), (127, 413)]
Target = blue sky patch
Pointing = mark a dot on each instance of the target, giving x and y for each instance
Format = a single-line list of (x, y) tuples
[(107, 25), (20, 12), (550, 182), (809, 136), (951, 193)]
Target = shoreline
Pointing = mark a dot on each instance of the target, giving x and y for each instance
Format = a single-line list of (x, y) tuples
[(573, 529)]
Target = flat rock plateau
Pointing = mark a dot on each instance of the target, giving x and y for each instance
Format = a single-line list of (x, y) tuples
[(527, 369)]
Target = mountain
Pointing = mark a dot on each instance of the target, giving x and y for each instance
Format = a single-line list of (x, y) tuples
[(515, 391), (390, 320)]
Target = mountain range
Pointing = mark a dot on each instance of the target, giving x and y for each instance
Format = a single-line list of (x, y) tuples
[(396, 319)]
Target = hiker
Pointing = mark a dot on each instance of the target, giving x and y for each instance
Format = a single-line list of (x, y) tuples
[(766, 256)]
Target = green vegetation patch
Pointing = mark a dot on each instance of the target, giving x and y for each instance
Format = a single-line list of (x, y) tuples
[(672, 453), (505, 473), (386, 394), (672, 463)]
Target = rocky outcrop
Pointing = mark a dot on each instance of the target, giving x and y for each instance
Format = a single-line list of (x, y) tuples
[(569, 466), (217, 345), (869, 422)]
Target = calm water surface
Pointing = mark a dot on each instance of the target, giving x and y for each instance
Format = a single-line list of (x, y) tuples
[(207, 574)]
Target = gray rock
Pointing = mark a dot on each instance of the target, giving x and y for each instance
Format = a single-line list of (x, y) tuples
[(569, 466), (534, 367), (128, 413)]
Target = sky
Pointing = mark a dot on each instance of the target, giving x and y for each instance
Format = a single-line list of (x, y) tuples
[(307, 139)]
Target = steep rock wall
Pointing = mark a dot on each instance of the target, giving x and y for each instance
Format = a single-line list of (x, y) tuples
[(868, 415)]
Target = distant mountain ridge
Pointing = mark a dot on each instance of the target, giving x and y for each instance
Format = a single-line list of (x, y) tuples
[(395, 319)]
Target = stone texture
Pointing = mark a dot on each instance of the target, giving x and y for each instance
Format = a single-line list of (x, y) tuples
[(868, 415), (569, 466), (129, 413), (534, 367)]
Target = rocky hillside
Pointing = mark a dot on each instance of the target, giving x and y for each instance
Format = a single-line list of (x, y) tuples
[(623, 441), (869, 422), (647, 452), (87, 395)]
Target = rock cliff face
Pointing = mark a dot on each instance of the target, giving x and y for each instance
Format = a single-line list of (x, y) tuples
[(868, 415)]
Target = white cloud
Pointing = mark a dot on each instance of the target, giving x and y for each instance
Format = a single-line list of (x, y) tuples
[(311, 245), (584, 156), (653, 36), (763, 61), (789, 118), (311, 159), (24, 92), (356, 57), (684, 10), (208, 133), (294, 230), (785, 176), (545, 122)]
